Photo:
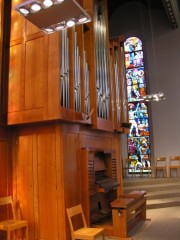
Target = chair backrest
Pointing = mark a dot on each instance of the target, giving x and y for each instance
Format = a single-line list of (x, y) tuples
[(161, 161), (128, 162), (73, 211), (175, 161), (147, 162), (8, 201)]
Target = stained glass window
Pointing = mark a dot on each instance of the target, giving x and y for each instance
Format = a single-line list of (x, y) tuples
[(139, 137)]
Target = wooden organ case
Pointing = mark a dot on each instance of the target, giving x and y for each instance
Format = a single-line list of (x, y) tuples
[(84, 117), (99, 179)]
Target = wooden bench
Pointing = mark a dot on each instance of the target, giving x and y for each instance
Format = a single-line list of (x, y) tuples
[(127, 211)]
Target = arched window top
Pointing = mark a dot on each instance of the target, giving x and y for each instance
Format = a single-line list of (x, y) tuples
[(132, 44)]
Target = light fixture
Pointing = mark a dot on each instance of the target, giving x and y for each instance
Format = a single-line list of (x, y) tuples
[(48, 3), (82, 19), (23, 11), (59, 1), (159, 95), (70, 23), (152, 97), (35, 7), (60, 26), (48, 30), (49, 15)]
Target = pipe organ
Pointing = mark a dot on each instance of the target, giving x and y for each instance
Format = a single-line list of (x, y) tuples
[(67, 104), (86, 68)]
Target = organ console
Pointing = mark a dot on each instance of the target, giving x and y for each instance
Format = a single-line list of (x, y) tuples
[(117, 214), (101, 185)]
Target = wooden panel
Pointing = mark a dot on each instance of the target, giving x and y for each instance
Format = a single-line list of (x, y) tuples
[(5, 169), (72, 176), (5, 174), (47, 185), (62, 224), (15, 72), (25, 193), (53, 76), (104, 124), (37, 185), (27, 116), (31, 28), (16, 22), (35, 73), (27, 91), (71, 145), (5, 15), (96, 141)]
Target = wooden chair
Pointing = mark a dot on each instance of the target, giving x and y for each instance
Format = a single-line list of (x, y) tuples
[(83, 232), (147, 166), (161, 166), (174, 164), (129, 168), (11, 225)]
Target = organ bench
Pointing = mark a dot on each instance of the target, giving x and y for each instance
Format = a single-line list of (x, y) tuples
[(128, 210)]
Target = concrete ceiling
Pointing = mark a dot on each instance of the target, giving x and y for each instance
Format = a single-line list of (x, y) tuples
[(171, 7)]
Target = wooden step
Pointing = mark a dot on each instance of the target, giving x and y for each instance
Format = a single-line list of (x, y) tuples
[(161, 192)]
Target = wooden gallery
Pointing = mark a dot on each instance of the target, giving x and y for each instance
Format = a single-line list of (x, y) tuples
[(63, 109)]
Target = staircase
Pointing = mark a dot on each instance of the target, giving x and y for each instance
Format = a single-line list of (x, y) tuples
[(161, 192)]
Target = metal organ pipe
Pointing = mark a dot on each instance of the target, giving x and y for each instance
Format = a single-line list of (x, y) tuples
[(102, 81)]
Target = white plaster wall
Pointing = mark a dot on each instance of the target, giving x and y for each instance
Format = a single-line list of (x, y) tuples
[(165, 122)]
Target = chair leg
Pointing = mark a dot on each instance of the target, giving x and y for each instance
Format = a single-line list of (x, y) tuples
[(141, 172), (125, 173), (134, 172)]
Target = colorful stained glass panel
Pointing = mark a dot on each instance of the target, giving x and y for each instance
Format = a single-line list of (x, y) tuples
[(134, 59), (136, 85), (138, 110), (138, 138), (133, 44), (135, 76)]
